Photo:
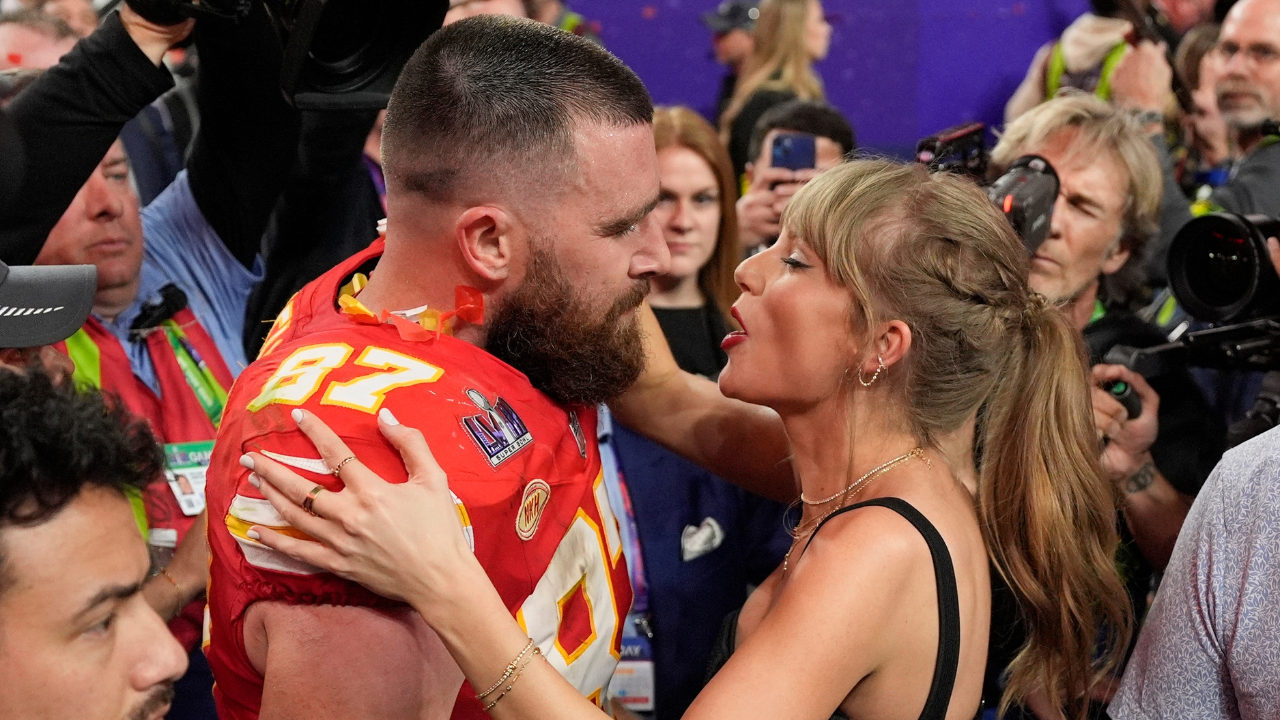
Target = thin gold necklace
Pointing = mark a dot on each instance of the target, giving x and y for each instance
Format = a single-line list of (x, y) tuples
[(804, 530), (874, 471)]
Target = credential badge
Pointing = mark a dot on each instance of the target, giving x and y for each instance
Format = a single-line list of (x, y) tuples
[(497, 431), (536, 496)]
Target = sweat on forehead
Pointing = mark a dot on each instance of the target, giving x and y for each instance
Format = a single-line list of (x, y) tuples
[(495, 98)]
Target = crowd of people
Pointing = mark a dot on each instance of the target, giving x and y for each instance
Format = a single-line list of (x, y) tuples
[(523, 397)]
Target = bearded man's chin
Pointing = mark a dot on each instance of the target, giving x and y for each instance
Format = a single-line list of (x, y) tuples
[(561, 342)]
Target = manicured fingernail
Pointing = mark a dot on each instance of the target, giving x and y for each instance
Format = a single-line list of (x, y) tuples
[(246, 461), (386, 417), (296, 415), (254, 480), (253, 535)]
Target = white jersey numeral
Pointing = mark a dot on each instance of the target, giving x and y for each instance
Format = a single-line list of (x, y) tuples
[(367, 393), (579, 577), (301, 374)]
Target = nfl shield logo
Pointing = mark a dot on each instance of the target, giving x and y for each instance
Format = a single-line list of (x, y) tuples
[(497, 431)]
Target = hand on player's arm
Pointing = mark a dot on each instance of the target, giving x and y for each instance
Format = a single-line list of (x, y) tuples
[(1153, 508), (405, 541), (742, 443)]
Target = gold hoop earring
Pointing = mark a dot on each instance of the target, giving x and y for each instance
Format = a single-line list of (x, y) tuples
[(867, 383)]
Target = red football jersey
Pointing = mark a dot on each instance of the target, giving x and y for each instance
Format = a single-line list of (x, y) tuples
[(525, 473)]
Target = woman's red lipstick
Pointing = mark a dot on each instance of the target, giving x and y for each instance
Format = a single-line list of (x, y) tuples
[(736, 337)]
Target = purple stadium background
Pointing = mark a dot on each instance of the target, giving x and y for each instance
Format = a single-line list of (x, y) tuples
[(899, 69)]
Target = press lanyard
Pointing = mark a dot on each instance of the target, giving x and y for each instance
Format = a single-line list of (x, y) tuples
[(635, 559), (208, 391)]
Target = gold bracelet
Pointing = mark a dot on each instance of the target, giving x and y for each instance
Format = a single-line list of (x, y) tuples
[(164, 572), (511, 667), (507, 689)]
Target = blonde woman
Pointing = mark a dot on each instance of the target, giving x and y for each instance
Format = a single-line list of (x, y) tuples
[(790, 36), (893, 308)]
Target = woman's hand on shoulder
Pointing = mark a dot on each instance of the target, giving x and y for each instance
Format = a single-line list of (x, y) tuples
[(403, 541)]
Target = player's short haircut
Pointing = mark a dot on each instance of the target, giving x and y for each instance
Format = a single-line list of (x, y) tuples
[(806, 116), (495, 98), (47, 25), (55, 442)]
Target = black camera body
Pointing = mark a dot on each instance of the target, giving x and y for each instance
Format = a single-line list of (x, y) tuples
[(1219, 268), (1026, 192), (338, 54), (1220, 272)]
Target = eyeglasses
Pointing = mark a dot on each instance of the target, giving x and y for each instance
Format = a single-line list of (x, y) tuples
[(1257, 55)]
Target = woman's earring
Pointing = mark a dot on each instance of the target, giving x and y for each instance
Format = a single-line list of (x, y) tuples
[(867, 383)]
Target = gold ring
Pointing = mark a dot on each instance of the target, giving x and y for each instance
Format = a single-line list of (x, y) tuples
[(338, 467), (310, 499)]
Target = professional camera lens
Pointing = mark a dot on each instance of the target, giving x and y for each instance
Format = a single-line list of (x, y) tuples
[(1219, 268), (1026, 194)]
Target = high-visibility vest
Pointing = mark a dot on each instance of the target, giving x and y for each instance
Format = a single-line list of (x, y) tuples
[(1096, 80), (193, 381)]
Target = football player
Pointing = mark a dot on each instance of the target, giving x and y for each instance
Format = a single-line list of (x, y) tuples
[(495, 313)]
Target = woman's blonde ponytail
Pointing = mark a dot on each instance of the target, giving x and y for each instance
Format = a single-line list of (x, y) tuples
[(1049, 519)]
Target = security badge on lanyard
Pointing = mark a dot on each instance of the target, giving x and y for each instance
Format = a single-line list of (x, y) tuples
[(633, 683), (186, 465)]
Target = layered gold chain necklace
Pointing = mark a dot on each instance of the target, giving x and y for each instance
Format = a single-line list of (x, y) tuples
[(804, 530)]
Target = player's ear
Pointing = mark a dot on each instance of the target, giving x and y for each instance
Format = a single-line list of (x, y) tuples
[(484, 236)]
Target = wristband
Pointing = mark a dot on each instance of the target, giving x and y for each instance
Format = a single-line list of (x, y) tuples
[(1148, 117)]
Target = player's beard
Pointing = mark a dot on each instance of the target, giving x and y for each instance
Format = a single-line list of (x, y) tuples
[(562, 343)]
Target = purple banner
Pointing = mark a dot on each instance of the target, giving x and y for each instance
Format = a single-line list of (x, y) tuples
[(898, 69)]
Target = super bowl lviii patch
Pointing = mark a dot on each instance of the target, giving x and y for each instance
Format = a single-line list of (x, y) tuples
[(497, 430)]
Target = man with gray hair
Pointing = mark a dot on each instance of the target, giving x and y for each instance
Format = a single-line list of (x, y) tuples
[(1091, 264), (1248, 90)]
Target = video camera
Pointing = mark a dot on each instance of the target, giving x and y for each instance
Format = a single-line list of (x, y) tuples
[(338, 54), (1026, 192), (1221, 273)]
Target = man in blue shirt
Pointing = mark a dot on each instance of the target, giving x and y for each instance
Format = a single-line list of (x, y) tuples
[(165, 335)]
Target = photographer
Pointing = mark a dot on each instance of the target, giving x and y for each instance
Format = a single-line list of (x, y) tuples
[(760, 208), (1206, 650), (1091, 264), (1248, 93)]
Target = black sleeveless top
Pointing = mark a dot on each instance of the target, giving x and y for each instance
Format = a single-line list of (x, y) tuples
[(944, 670)]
